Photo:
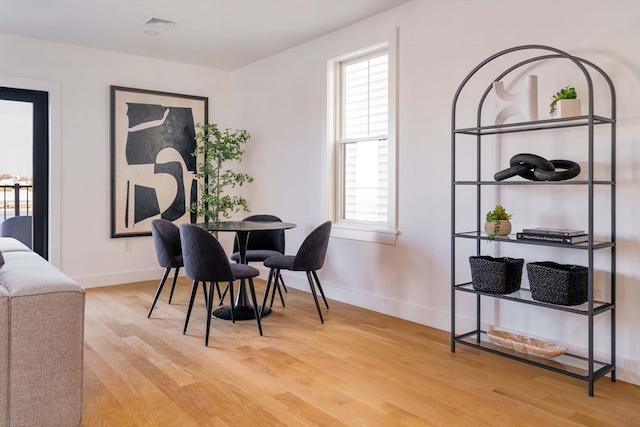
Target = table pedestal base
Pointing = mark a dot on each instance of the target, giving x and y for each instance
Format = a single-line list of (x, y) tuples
[(244, 312)]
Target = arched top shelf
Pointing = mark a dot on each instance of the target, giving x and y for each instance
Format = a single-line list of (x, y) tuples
[(477, 172), (585, 66)]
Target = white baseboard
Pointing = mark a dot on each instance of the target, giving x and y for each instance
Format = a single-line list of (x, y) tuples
[(119, 278)]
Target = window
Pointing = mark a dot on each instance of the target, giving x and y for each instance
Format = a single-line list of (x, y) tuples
[(363, 142), (363, 130)]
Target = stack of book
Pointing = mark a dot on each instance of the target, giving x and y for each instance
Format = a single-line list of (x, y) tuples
[(557, 235)]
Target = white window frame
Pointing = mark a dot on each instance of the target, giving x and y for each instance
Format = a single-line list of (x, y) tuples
[(360, 230)]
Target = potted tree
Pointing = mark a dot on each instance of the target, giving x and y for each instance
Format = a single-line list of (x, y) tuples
[(497, 222), (214, 148), (565, 103)]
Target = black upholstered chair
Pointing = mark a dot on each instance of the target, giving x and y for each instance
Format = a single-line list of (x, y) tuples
[(20, 228), (205, 261), (166, 238), (310, 258), (263, 244)]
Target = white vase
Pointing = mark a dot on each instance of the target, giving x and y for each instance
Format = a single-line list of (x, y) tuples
[(568, 108)]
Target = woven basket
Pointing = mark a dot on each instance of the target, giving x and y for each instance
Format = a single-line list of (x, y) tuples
[(496, 275), (558, 283)]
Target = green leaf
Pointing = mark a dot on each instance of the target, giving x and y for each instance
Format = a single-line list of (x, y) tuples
[(214, 148)]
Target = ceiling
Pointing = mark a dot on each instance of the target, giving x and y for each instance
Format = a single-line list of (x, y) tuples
[(222, 34)]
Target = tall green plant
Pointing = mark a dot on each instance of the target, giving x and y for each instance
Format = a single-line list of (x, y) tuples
[(215, 148)]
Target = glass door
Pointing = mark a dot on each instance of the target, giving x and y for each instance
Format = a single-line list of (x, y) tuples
[(24, 161)]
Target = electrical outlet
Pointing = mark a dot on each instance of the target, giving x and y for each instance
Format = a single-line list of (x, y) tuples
[(128, 245)]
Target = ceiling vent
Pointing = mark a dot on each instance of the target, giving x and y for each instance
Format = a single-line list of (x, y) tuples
[(159, 23)]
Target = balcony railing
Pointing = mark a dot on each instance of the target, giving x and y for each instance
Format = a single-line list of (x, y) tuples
[(365, 203), (15, 200)]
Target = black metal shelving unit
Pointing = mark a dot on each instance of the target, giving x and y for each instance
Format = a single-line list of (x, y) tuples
[(586, 368)]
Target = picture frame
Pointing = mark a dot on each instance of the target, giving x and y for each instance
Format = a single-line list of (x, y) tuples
[(152, 163)]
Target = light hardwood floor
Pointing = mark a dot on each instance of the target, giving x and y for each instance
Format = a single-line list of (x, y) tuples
[(360, 368)]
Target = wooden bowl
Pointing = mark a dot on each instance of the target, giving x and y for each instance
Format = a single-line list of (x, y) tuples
[(526, 345)]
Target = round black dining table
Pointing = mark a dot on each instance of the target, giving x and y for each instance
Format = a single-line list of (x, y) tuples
[(241, 307)]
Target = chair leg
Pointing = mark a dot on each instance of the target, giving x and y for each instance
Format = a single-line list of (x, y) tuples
[(160, 286), (283, 285), (217, 286), (276, 287), (209, 310), (194, 288), (224, 294), (315, 296), (173, 286), (219, 294), (255, 304), (233, 311), (315, 275), (266, 291), (278, 280), (279, 293), (204, 292)]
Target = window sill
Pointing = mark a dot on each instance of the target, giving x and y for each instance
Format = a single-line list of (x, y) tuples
[(364, 233)]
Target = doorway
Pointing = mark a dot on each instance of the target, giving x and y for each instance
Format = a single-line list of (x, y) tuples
[(39, 101)]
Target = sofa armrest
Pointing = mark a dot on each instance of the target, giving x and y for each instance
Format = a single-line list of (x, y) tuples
[(46, 339)]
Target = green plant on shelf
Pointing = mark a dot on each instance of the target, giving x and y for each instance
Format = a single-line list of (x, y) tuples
[(494, 217), (568, 92)]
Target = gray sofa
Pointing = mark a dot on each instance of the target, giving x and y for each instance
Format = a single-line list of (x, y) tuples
[(41, 341)]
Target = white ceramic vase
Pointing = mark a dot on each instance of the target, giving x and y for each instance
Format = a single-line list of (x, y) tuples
[(568, 108)]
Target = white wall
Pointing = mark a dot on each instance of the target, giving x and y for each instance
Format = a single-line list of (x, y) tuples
[(282, 101), (80, 183)]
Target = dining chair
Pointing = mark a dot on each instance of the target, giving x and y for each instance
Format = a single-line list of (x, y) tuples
[(166, 239), (309, 258), (20, 228), (205, 261), (263, 244)]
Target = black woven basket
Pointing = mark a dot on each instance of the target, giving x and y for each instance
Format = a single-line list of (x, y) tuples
[(558, 283), (496, 275)]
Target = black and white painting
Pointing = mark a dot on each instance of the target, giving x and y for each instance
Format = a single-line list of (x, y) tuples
[(152, 163)]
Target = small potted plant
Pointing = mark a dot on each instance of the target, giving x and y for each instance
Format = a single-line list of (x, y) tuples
[(497, 222), (565, 103)]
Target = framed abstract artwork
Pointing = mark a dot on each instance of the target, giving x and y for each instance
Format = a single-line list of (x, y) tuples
[(152, 163)]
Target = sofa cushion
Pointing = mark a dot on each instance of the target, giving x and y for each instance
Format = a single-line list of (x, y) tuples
[(43, 278), (9, 244)]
